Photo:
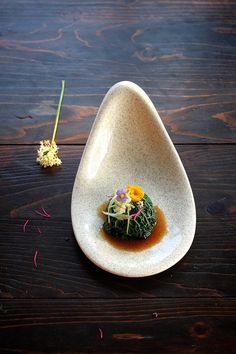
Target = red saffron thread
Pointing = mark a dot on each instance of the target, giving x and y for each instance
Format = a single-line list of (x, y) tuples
[(101, 333), (24, 226), (39, 231), (46, 213), (35, 258), (42, 214)]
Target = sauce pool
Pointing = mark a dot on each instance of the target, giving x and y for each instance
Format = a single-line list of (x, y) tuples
[(156, 236)]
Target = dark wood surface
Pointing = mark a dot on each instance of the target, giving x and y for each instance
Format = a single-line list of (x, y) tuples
[(183, 54)]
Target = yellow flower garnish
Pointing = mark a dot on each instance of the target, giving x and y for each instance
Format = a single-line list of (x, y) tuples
[(135, 193), (47, 154)]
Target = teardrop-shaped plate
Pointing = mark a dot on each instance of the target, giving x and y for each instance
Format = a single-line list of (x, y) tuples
[(128, 144)]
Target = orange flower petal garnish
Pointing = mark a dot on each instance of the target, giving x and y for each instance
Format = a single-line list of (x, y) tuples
[(135, 193)]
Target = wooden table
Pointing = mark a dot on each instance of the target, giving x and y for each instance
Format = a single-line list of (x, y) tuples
[(183, 54)]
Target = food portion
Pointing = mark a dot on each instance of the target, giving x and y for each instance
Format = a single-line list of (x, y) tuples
[(130, 214)]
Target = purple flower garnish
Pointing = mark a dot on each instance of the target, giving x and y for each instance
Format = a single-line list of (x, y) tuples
[(121, 195)]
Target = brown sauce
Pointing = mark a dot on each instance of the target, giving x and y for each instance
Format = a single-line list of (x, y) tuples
[(137, 245)]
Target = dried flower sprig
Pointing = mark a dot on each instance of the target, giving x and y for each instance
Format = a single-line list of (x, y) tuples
[(48, 150)]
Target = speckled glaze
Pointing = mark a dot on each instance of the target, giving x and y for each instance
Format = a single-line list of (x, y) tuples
[(128, 144)]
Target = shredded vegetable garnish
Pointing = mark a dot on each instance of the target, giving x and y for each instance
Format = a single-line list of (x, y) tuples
[(39, 230), (136, 214)]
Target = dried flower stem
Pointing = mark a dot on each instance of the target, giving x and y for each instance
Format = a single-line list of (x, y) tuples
[(58, 111)]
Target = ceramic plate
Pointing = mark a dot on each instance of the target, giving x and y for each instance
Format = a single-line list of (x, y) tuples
[(128, 144)]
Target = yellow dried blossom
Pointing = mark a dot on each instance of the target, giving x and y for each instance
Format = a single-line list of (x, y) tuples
[(47, 154)]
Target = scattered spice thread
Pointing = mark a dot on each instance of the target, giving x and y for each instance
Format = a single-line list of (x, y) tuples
[(24, 117), (101, 333), (46, 213), (25, 224), (35, 259), (43, 213)]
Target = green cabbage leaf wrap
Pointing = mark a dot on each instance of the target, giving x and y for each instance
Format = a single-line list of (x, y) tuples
[(134, 228)]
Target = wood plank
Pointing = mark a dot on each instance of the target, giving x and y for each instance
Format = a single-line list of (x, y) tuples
[(182, 54), (25, 186), (128, 326), (207, 270)]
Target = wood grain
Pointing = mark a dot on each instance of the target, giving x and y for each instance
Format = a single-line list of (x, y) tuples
[(25, 186), (182, 53), (128, 326), (207, 270)]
